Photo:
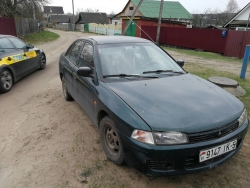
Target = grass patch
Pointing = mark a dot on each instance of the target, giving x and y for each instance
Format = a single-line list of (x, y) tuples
[(205, 73), (42, 37), (205, 55)]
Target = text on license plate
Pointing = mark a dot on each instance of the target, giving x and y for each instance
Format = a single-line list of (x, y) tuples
[(218, 150)]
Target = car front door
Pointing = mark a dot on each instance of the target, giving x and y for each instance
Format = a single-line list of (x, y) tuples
[(85, 87), (30, 58), (70, 66)]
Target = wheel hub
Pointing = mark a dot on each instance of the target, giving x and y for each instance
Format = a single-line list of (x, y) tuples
[(112, 141), (6, 79)]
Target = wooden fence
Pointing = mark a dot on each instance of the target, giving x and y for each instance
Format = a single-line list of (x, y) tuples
[(233, 44), (25, 26), (18, 26)]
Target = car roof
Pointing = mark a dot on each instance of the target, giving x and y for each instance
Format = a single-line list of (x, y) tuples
[(116, 39)]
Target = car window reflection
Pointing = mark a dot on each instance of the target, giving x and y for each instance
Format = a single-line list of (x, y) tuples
[(134, 59), (86, 58)]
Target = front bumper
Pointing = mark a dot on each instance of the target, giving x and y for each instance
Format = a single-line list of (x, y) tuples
[(179, 159)]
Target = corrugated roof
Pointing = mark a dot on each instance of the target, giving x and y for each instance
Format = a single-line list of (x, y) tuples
[(53, 10), (75, 18), (171, 9), (63, 18), (92, 17)]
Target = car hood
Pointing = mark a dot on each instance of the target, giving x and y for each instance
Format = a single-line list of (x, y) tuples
[(184, 103)]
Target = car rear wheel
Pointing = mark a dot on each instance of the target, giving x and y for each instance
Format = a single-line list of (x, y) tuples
[(43, 61), (66, 94), (6, 81), (110, 141)]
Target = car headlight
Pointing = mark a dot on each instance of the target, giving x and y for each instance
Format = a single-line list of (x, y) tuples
[(160, 138), (170, 138), (243, 118)]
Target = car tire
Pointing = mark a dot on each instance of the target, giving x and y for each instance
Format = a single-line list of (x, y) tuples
[(6, 81), (42, 61), (110, 141), (66, 94)]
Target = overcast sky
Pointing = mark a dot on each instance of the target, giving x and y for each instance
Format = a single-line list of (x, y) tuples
[(193, 6)]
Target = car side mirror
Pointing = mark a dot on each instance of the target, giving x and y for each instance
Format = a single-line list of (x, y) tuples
[(30, 46), (180, 63), (84, 71)]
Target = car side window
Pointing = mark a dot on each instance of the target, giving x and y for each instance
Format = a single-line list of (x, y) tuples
[(18, 43), (5, 45), (86, 58), (74, 51)]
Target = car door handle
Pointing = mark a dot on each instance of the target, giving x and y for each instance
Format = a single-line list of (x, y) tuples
[(9, 58)]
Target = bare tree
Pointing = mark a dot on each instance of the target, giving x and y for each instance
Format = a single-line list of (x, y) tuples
[(25, 8), (215, 17), (201, 20), (89, 10), (112, 13), (232, 6), (79, 10)]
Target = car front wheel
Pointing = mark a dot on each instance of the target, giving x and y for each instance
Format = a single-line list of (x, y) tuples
[(66, 94), (6, 81), (110, 141), (43, 61)]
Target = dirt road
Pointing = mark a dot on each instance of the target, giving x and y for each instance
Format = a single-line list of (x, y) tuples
[(48, 142)]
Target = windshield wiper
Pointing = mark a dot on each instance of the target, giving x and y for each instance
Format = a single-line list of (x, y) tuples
[(128, 75), (159, 71)]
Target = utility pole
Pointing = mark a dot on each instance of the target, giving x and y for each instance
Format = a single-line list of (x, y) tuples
[(159, 23), (132, 17), (73, 24)]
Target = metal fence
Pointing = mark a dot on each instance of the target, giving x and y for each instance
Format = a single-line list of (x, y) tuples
[(7, 26), (232, 44), (236, 43), (69, 27), (65, 27)]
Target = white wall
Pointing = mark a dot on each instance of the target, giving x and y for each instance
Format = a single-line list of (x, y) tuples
[(244, 15)]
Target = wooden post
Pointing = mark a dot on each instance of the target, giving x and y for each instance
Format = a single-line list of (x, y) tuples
[(245, 62), (159, 23), (73, 24)]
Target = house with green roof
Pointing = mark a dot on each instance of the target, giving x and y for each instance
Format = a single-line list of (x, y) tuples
[(173, 15)]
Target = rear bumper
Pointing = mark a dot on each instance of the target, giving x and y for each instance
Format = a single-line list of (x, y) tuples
[(179, 159)]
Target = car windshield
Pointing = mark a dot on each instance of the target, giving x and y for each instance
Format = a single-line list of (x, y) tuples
[(135, 59)]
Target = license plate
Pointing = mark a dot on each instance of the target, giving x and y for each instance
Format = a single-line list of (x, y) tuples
[(217, 151)]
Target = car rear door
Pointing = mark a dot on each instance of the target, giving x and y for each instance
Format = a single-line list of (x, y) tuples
[(11, 57)]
